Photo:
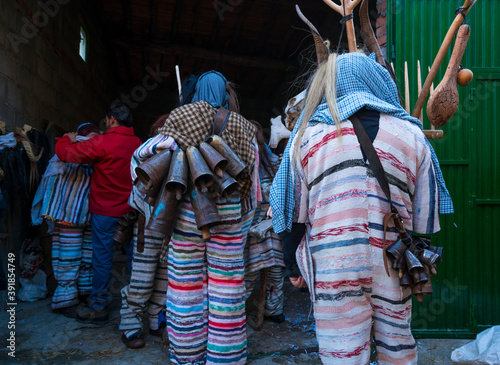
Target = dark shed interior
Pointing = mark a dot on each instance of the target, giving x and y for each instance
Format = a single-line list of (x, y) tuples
[(63, 62), (132, 47), (262, 46)]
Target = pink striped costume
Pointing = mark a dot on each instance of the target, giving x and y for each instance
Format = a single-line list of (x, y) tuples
[(341, 255)]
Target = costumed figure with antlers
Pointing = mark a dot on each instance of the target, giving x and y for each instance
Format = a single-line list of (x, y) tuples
[(328, 197)]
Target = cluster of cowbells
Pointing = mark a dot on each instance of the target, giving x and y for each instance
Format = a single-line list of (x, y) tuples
[(207, 172), (415, 260)]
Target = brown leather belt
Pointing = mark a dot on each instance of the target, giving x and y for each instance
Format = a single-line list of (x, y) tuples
[(220, 121)]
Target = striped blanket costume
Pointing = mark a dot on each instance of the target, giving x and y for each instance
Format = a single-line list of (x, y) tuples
[(148, 286), (148, 279), (341, 256), (205, 298), (63, 197), (266, 253), (66, 198)]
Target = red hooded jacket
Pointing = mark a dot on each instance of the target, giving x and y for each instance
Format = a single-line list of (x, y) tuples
[(110, 153)]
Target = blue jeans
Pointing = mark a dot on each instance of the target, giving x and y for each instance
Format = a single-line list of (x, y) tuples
[(103, 228)]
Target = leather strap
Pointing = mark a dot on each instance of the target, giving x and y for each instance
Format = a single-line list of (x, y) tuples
[(371, 154), (220, 121), (141, 222), (378, 171)]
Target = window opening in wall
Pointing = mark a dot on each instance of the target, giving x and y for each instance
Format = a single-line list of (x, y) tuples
[(83, 44)]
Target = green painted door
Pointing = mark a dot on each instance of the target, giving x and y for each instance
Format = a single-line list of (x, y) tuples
[(466, 295)]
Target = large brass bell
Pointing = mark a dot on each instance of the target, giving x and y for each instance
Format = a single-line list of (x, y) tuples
[(125, 227), (214, 159), (396, 253), (423, 288), (236, 165), (437, 250), (415, 267), (406, 279), (205, 212), (165, 212), (428, 258), (177, 178), (153, 171), (225, 185), (143, 191), (200, 172)]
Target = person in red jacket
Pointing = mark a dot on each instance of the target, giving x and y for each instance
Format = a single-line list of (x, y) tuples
[(110, 189)]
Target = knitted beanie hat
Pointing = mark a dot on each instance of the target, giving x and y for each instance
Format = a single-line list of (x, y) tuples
[(87, 128)]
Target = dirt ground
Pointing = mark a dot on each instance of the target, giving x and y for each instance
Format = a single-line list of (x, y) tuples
[(43, 337)]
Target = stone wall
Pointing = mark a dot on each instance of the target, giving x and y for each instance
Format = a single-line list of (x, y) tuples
[(42, 76), (43, 79)]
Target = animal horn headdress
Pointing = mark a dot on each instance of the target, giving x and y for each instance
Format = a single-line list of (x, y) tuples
[(346, 9), (368, 35), (321, 48)]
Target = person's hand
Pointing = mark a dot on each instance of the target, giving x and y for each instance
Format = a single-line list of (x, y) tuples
[(270, 212), (298, 282), (72, 136)]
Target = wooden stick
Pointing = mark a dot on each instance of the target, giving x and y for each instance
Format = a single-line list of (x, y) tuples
[(459, 19), (432, 91), (349, 6), (444, 102), (179, 85), (419, 85), (407, 89)]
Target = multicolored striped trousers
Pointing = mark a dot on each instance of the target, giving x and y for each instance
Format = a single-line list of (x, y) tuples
[(148, 285), (71, 263), (355, 301), (206, 320)]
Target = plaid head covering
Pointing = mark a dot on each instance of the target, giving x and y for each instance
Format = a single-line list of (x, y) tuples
[(190, 124), (361, 82)]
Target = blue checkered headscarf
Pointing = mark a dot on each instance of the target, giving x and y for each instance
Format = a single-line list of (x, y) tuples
[(361, 82), (211, 87)]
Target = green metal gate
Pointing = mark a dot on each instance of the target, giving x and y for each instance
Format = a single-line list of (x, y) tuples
[(466, 296)]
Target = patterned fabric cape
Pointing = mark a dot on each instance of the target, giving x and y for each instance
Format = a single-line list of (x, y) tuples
[(361, 82), (66, 196), (190, 124)]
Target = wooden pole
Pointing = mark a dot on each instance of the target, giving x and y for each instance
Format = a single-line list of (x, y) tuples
[(459, 19), (432, 91), (433, 133), (346, 7), (419, 85), (179, 85), (407, 89)]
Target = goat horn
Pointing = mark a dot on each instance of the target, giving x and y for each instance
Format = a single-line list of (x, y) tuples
[(321, 49), (367, 33), (371, 41)]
